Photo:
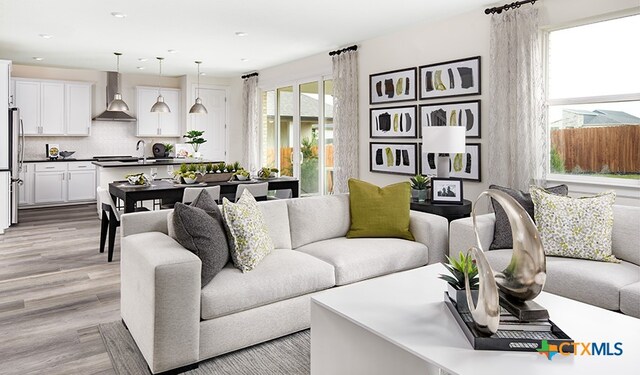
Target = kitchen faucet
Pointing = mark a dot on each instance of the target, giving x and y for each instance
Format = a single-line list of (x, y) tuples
[(144, 157)]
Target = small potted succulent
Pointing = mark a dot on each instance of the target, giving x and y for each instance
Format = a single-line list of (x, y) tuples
[(456, 285), (241, 174), (419, 184), (168, 147)]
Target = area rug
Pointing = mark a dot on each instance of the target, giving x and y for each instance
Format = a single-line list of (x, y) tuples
[(286, 355)]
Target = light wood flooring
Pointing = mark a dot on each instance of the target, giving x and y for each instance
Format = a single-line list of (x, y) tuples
[(55, 288)]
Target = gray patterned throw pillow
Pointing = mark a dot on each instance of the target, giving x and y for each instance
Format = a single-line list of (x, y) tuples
[(502, 237), (575, 227)]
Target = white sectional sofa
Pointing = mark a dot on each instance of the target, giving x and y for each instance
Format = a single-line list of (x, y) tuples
[(613, 286), (175, 323)]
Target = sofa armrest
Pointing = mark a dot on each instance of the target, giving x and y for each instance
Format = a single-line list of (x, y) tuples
[(462, 236), (141, 222), (160, 299), (432, 231)]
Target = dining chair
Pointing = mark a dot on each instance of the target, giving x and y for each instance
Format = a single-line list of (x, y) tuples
[(283, 194), (190, 194), (259, 191), (110, 220)]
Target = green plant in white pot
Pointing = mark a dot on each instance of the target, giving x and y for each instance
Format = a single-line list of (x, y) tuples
[(456, 285), (419, 184), (195, 139)]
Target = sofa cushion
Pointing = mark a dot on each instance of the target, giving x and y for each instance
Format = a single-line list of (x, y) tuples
[(502, 236), (318, 218), (575, 227), (379, 212), (592, 282), (357, 259), (630, 300), (276, 217), (282, 274), (626, 233)]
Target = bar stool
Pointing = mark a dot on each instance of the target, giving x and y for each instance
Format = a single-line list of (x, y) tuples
[(110, 220)]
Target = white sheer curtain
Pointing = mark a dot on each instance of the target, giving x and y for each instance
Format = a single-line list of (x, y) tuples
[(517, 117), (345, 119), (251, 123)]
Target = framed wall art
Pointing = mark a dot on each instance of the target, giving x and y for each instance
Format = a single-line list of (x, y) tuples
[(398, 158), (394, 86), (465, 114), (393, 122), (446, 190), (450, 78), (466, 166)]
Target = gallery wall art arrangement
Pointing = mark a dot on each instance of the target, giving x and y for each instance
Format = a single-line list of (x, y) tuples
[(398, 158), (455, 78)]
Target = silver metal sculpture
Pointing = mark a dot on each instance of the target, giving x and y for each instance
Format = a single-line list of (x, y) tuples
[(524, 277)]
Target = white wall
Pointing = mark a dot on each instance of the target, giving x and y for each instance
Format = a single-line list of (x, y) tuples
[(119, 138), (457, 37)]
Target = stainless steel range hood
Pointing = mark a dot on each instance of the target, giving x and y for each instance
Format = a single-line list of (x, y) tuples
[(112, 88)]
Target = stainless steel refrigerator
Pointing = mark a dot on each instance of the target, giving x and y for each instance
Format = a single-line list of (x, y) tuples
[(16, 157)]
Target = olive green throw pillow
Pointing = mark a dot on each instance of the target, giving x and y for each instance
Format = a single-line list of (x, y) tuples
[(379, 212)]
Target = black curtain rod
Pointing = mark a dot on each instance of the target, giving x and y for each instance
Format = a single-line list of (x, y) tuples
[(339, 51), (506, 7), (254, 74)]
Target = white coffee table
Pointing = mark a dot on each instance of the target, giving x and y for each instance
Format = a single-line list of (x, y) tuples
[(399, 324)]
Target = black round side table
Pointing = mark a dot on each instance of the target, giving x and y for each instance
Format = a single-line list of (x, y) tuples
[(450, 211)]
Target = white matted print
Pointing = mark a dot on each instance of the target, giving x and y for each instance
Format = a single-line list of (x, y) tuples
[(393, 122), (465, 114), (394, 86), (466, 166), (399, 158), (446, 190), (450, 78)]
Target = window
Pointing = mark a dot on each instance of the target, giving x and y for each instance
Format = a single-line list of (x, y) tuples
[(593, 100), (297, 133)]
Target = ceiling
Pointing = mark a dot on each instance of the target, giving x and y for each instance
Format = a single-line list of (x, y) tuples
[(85, 34)]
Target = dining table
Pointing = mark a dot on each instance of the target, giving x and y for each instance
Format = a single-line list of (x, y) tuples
[(168, 191)]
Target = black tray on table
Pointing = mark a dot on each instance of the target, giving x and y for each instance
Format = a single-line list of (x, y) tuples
[(512, 340)]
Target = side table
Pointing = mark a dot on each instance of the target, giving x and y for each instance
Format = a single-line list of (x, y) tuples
[(450, 211)]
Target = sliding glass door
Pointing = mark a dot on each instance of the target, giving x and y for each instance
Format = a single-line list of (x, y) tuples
[(294, 122)]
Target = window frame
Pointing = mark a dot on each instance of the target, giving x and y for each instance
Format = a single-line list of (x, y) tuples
[(569, 178)]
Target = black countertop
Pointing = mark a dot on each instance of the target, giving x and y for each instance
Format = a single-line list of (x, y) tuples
[(150, 162), (56, 160)]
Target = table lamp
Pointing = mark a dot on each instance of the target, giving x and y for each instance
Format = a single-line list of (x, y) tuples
[(443, 140)]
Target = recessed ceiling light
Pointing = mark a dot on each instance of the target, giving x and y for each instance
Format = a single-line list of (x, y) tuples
[(38, 58), (172, 51), (118, 14), (241, 33), (140, 67), (45, 36), (244, 59), (142, 59)]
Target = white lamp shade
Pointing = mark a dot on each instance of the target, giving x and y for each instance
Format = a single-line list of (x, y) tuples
[(443, 139)]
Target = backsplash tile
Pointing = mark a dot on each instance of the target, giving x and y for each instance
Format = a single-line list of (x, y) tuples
[(107, 138)]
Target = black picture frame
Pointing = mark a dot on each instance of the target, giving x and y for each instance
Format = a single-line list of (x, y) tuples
[(384, 87), (468, 112), (440, 196), (379, 161), (466, 71), (475, 173), (408, 115)]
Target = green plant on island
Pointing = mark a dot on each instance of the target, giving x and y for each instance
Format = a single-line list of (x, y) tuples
[(195, 138), (209, 167), (168, 147), (457, 269), (419, 182)]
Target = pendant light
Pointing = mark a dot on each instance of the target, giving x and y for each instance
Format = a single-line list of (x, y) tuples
[(160, 106), (117, 104), (198, 107)]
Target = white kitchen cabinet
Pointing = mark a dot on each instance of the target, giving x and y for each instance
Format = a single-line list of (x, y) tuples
[(159, 124), (78, 108), (57, 183), (53, 107), (49, 187)]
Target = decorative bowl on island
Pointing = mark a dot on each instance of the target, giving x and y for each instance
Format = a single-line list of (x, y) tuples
[(66, 154)]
